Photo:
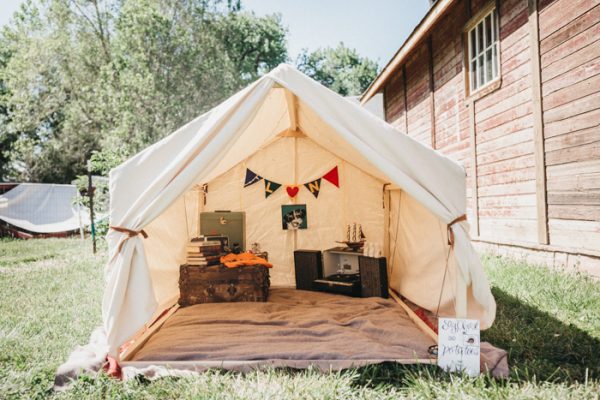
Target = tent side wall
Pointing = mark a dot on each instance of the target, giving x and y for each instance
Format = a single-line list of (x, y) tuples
[(422, 267), (165, 246)]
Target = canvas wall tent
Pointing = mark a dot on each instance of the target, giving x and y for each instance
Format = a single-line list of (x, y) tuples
[(291, 129), (40, 209)]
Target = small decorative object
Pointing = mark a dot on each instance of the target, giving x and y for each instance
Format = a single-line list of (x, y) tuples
[(236, 249), (361, 235), (372, 250), (355, 238), (292, 190), (204, 192), (293, 216), (255, 248), (368, 249)]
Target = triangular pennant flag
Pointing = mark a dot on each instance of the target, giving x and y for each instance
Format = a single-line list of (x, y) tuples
[(251, 178), (314, 187), (332, 176), (270, 187)]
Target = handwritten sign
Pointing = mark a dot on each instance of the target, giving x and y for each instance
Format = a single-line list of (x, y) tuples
[(458, 346)]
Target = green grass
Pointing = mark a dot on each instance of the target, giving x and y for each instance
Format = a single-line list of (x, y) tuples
[(50, 293)]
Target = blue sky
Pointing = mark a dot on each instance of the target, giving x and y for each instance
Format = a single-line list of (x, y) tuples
[(376, 28)]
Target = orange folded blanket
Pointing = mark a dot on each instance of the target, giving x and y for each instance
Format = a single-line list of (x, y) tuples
[(237, 260)]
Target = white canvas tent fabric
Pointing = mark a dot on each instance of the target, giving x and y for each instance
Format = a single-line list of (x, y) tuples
[(156, 191), (42, 208)]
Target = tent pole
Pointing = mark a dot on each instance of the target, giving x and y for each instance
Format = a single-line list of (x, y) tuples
[(292, 102), (386, 221), (295, 182), (414, 317)]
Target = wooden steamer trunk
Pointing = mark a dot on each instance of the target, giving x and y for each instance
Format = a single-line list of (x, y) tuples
[(219, 284)]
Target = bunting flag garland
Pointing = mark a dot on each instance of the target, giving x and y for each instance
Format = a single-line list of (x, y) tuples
[(292, 190), (270, 187), (314, 187), (251, 178), (332, 176)]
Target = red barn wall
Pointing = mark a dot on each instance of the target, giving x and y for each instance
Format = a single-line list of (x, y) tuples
[(495, 131), (570, 65)]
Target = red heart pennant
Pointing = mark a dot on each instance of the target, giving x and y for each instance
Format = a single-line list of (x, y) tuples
[(292, 191)]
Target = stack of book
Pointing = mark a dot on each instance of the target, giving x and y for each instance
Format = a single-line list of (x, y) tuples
[(203, 253)]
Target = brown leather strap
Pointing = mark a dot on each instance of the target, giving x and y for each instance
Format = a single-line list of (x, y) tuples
[(130, 233), (449, 227)]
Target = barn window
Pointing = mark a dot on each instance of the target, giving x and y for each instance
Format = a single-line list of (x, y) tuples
[(484, 60)]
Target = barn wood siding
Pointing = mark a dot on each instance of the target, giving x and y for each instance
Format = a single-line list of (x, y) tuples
[(504, 121), (570, 60)]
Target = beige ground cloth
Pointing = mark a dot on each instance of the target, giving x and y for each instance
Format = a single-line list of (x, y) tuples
[(293, 325), (295, 329)]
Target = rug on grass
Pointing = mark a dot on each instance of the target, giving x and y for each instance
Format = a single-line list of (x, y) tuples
[(294, 328)]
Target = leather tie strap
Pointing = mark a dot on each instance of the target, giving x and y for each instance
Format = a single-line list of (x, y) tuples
[(449, 227), (129, 232)]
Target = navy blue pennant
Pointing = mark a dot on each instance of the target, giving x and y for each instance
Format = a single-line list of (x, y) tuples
[(251, 178)]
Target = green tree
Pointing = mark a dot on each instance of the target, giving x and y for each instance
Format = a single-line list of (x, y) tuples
[(254, 45), (83, 77), (341, 69), (50, 84)]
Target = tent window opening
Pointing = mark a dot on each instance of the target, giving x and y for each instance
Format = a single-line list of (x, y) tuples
[(484, 50)]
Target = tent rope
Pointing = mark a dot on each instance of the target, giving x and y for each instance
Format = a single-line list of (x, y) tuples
[(450, 231), (129, 232), (187, 227), (437, 310), (397, 230), (450, 247)]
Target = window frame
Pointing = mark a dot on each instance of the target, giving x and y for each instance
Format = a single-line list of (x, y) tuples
[(472, 26)]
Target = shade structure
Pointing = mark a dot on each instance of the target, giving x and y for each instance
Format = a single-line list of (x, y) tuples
[(42, 208), (290, 129)]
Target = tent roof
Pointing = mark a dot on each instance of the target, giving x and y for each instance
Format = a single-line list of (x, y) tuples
[(283, 102)]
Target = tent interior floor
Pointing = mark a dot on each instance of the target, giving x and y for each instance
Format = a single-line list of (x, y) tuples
[(294, 328)]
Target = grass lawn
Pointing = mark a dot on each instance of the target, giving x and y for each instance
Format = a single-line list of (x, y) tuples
[(50, 291)]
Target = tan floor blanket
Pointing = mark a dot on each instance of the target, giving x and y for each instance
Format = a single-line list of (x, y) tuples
[(294, 325)]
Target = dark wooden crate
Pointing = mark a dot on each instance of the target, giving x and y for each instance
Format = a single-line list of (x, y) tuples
[(219, 284), (373, 277), (308, 265)]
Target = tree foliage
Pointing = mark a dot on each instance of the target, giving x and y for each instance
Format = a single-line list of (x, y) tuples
[(341, 69), (95, 81), (83, 77)]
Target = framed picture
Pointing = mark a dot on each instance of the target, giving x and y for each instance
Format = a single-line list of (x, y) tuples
[(293, 216)]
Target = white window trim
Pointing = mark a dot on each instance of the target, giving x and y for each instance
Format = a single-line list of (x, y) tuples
[(472, 26)]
